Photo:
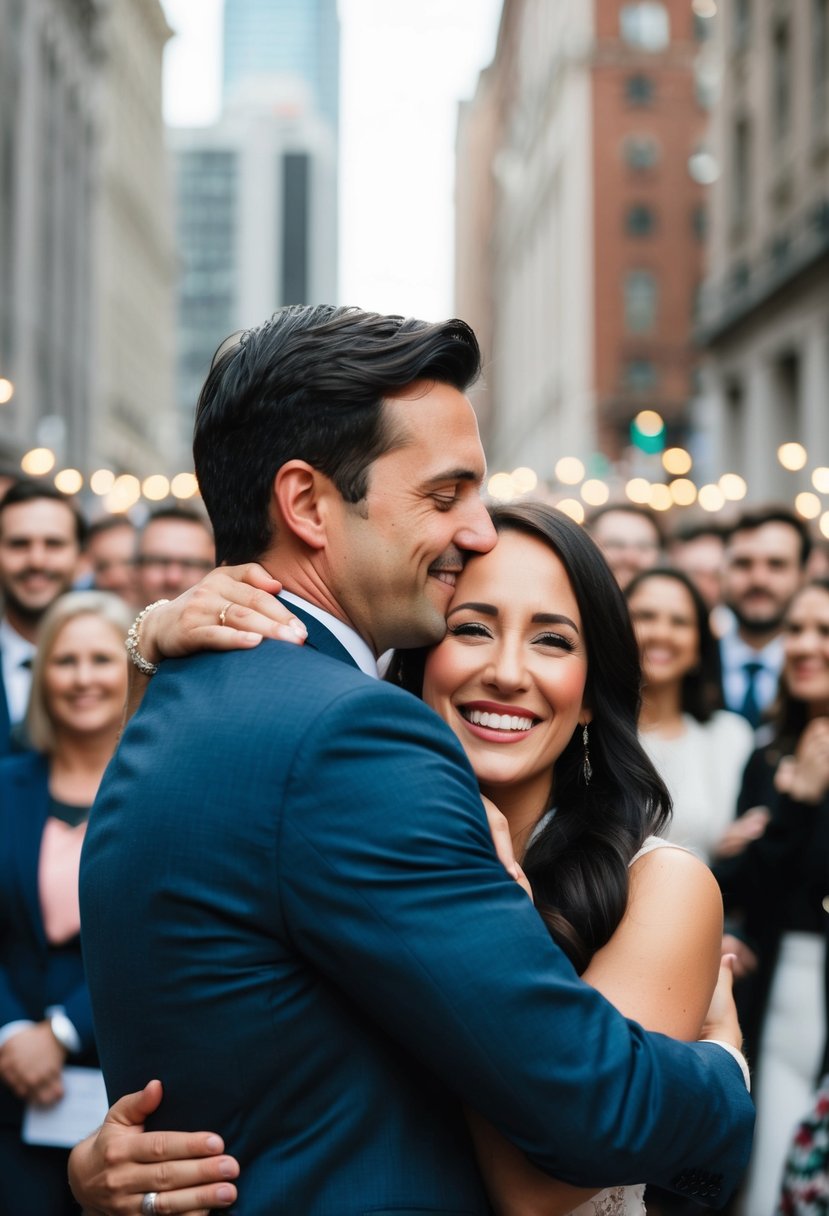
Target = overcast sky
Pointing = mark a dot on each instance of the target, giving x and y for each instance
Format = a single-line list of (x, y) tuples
[(405, 66)]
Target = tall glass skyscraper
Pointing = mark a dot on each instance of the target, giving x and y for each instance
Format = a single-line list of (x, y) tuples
[(285, 37)]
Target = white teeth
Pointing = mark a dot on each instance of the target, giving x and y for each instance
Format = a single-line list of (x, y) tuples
[(479, 717)]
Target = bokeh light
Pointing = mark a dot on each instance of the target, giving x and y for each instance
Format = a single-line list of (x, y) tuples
[(69, 481), (649, 422), (638, 490), (573, 508), (733, 487), (807, 504), (824, 524), (711, 498), (125, 493), (155, 487), (683, 491), (38, 461), (524, 480), (499, 487), (660, 498), (676, 461), (820, 479), (704, 8), (102, 481), (792, 456), (184, 485), (570, 470), (595, 492), (6, 390)]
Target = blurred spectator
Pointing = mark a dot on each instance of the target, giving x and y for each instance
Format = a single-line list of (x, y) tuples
[(629, 536), (175, 548), (698, 748), (110, 552), (818, 563), (78, 690), (765, 559), (699, 551), (778, 886), (41, 537)]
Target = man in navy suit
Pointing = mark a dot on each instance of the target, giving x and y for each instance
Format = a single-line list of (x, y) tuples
[(41, 537), (292, 910)]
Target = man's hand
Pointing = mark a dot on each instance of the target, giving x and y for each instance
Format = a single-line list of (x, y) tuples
[(501, 838), (31, 1063), (721, 1019), (112, 1170), (805, 775), (744, 958), (232, 608), (750, 826)]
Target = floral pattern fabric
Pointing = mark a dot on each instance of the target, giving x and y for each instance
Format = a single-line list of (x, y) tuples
[(805, 1187)]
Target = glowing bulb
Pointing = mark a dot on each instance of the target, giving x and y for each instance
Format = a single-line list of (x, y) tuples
[(733, 487), (155, 487), (68, 481), (660, 498), (6, 390), (499, 486), (683, 491), (711, 498), (638, 489), (573, 508), (704, 8), (824, 524), (594, 492), (102, 481), (649, 423), (125, 493), (570, 470), (792, 456), (38, 461), (807, 505), (820, 480), (184, 485), (676, 461), (524, 480)]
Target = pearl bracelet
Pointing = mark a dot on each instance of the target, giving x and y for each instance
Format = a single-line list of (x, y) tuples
[(133, 638)]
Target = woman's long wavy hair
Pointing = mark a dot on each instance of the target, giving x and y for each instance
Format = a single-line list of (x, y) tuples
[(578, 862), (701, 693), (790, 715)]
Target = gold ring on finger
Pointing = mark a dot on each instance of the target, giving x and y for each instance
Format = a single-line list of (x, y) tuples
[(223, 613)]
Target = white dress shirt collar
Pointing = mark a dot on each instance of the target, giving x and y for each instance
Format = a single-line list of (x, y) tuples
[(17, 678), (359, 649)]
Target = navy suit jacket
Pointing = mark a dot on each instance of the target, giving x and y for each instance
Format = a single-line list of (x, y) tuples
[(33, 973), (294, 916)]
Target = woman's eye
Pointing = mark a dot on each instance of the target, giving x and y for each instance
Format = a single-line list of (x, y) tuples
[(555, 639), (470, 629)]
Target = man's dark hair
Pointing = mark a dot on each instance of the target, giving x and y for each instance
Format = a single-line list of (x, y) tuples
[(186, 515), (685, 533), (757, 517), (309, 384), (109, 523), (29, 490), (627, 508)]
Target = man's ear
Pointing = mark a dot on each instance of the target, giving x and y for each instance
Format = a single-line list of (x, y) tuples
[(300, 495)]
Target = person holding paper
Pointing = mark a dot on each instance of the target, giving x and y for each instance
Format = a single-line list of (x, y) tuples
[(79, 684)]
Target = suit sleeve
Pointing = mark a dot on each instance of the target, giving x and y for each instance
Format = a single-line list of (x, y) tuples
[(79, 1011), (390, 886)]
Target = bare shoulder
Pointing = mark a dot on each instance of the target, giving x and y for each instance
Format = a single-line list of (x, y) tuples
[(677, 870)]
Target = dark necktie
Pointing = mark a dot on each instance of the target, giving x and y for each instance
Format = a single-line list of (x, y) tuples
[(750, 708)]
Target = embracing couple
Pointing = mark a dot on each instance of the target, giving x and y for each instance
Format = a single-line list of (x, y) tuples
[(293, 913)]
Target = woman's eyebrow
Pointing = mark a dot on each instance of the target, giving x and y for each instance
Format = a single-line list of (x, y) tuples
[(485, 609), (554, 618)]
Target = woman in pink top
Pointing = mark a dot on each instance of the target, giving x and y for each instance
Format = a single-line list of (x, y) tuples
[(78, 691)]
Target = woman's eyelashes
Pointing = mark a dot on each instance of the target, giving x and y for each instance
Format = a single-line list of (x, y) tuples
[(474, 629)]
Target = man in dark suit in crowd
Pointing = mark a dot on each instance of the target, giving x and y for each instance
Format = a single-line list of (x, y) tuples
[(293, 912), (41, 538)]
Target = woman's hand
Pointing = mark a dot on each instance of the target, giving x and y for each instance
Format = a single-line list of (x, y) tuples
[(805, 775), (721, 1020), (231, 608), (501, 838), (113, 1169), (31, 1063), (750, 826)]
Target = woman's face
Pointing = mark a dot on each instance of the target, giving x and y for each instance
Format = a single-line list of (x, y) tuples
[(509, 676), (85, 677), (806, 648), (665, 621)]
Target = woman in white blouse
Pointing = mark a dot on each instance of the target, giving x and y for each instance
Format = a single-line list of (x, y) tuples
[(698, 748)]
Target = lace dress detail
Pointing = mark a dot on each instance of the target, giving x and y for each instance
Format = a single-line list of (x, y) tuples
[(623, 1200)]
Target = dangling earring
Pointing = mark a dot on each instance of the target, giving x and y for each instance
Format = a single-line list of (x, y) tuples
[(586, 766)]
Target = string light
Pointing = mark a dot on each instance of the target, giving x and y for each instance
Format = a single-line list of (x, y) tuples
[(155, 487), (711, 498), (820, 480), (69, 481), (807, 505), (184, 485), (792, 456), (660, 498), (499, 487), (676, 461), (733, 487), (638, 490), (683, 491), (595, 493), (6, 390), (102, 481), (524, 480), (38, 462), (570, 470), (573, 508)]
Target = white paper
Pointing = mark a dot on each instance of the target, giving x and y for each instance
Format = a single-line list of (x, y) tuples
[(79, 1111)]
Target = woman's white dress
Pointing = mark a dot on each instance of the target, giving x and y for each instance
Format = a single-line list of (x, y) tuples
[(623, 1200)]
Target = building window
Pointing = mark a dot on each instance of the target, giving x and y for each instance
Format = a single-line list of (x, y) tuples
[(640, 375), (741, 155), (781, 78), (296, 184), (641, 152), (640, 220), (645, 26), (640, 301), (639, 90), (742, 24)]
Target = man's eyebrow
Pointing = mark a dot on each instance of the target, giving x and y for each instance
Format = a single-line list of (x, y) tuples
[(454, 475)]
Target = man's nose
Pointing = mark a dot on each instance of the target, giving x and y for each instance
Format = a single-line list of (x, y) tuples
[(476, 534)]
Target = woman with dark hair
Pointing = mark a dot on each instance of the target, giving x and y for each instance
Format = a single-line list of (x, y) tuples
[(538, 675), (778, 887), (698, 747)]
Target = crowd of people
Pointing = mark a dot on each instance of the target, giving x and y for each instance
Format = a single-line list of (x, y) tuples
[(638, 711)]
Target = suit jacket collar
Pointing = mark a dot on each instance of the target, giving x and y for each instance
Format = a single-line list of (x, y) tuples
[(31, 778), (319, 638)]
